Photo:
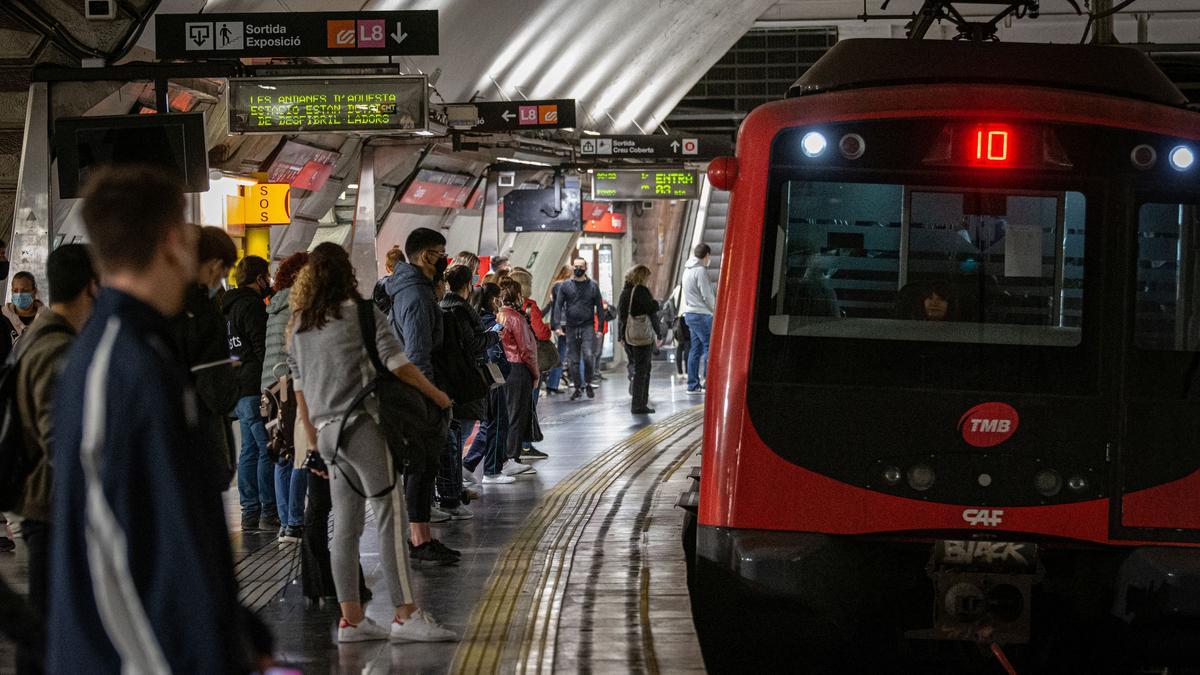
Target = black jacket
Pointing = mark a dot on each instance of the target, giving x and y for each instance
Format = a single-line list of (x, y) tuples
[(639, 302), (247, 317), (464, 334), (201, 339), (578, 304)]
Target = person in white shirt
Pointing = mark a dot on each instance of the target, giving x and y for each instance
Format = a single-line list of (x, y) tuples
[(698, 306)]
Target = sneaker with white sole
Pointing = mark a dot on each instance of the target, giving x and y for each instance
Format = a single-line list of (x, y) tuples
[(437, 515), (366, 631), (512, 468), (498, 479), (460, 513), (472, 476), (421, 627)]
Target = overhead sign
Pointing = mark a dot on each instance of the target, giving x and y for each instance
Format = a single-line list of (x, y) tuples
[(645, 184), (321, 104), (558, 113), (655, 146), (399, 33), (266, 203)]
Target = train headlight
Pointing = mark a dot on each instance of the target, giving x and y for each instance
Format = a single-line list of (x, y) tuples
[(891, 475), (1143, 157), (813, 144), (1047, 482), (1182, 158), (852, 146), (1077, 483), (921, 477)]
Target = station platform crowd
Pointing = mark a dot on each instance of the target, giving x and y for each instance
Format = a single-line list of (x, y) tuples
[(119, 394)]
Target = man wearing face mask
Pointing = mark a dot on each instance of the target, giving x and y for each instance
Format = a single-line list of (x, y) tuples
[(246, 311), (579, 310), (201, 340), (25, 305), (417, 322)]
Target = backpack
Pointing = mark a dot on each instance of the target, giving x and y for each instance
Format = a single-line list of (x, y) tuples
[(464, 382), (381, 298), (15, 464)]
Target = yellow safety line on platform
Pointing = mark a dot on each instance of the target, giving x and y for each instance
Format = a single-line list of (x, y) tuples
[(487, 636)]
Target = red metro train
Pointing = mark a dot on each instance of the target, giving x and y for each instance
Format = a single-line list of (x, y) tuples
[(954, 387)]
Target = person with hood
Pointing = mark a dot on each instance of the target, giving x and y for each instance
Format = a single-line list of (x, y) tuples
[(202, 342), (698, 306), (246, 313), (417, 322), (291, 483), (379, 296), (577, 315), (25, 305)]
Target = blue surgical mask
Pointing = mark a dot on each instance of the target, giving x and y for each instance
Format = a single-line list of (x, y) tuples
[(22, 300), (212, 292)]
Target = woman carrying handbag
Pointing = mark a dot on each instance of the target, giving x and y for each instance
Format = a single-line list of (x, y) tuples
[(639, 331)]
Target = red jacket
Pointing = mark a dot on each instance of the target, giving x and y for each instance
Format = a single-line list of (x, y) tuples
[(520, 345), (541, 330)]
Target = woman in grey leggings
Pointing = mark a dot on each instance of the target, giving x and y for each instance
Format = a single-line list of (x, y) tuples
[(329, 366)]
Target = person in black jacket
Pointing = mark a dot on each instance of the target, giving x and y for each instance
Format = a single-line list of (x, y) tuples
[(578, 313), (247, 316), (202, 342), (636, 301)]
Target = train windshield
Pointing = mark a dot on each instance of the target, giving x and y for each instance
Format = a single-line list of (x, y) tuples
[(901, 262)]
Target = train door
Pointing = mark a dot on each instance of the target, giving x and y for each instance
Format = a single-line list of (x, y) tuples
[(1158, 472)]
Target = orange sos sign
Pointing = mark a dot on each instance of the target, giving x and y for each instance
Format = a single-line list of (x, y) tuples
[(266, 203)]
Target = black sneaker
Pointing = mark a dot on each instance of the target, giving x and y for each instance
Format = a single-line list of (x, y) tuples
[(533, 453), (591, 391), (269, 522), (430, 552), (250, 523), (7, 545), (577, 393), (444, 548), (643, 411), (292, 534)]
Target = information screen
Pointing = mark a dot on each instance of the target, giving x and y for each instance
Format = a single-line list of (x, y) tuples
[(320, 104), (644, 184)]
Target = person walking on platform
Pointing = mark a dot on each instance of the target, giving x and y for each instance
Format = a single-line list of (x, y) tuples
[(327, 360), (291, 481), (555, 375), (488, 446), (246, 312), (140, 559), (638, 307), (520, 350), (417, 322), (699, 303), (40, 357), (202, 341), (577, 313)]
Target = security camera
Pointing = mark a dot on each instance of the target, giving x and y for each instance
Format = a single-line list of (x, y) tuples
[(100, 10)]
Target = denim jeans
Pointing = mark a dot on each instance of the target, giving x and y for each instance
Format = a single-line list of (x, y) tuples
[(700, 326), (291, 485), (554, 375), (256, 472), (491, 437), (581, 348)]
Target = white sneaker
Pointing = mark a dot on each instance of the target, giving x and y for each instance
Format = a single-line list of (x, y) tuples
[(421, 627), (437, 515), (513, 468), (460, 512), (472, 476), (365, 631), (498, 479)]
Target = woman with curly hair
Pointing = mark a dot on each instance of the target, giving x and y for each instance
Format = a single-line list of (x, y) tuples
[(291, 482), (329, 367)]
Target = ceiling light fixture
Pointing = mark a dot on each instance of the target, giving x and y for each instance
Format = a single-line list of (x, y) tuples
[(530, 162)]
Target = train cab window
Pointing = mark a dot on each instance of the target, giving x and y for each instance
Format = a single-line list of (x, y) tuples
[(895, 262), (1168, 277)]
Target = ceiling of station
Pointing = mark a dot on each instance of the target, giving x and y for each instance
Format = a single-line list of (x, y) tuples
[(626, 62)]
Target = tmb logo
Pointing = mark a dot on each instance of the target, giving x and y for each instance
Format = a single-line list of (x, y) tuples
[(984, 517), (988, 424)]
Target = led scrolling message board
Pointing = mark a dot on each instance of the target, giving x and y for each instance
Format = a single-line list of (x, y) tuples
[(320, 104), (644, 184)]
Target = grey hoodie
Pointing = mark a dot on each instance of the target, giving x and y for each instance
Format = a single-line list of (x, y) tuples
[(415, 319), (278, 314), (697, 289)]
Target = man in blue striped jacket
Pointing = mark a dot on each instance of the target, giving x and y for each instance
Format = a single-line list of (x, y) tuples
[(142, 574)]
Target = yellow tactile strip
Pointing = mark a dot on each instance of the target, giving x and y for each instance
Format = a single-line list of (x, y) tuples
[(514, 626)]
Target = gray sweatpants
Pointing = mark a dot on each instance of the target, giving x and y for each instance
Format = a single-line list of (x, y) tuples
[(364, 467)]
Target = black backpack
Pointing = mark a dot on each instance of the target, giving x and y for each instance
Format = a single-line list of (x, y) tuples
[(15, 464), (381, 298), (464, 381)]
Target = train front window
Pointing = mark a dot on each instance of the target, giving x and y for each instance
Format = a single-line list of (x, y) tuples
[(899, 262), (1168, 277)]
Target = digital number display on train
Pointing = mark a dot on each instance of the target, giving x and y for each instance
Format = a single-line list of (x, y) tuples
[(283, 105), (644, 184)]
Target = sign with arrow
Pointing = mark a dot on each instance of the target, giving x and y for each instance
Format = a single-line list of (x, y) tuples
[(398, 33), (557, 113), (656, 146)]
